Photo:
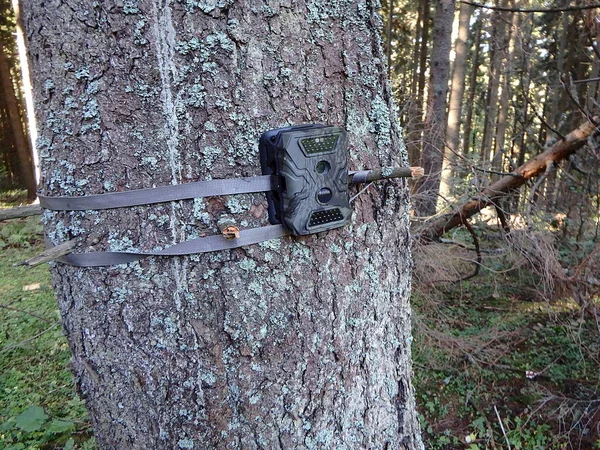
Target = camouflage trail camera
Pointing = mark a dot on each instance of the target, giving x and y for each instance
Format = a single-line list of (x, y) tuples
[(309, 177)]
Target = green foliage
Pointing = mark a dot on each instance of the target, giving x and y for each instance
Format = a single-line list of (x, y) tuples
[(39, 408), (12, 197), (31, 419), (22, 233)]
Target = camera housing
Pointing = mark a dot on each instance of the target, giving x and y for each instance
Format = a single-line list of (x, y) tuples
[(309, 177)]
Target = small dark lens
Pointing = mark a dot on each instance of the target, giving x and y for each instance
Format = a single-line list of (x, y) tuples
[(324, 195), (322, 167)]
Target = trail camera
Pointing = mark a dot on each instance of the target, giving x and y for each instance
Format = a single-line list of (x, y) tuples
[(309, 177)]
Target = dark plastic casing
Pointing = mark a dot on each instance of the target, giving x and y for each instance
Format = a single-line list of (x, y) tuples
[(309, 177)]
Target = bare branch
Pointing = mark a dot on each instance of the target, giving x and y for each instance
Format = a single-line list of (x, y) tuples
[(20, 211), (536, 186), (27, 313), (477, 251), (562, 149)]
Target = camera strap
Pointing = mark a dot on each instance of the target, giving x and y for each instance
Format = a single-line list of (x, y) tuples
[(161, 194), (186, 191), (193, 246), (138, 197), (304, 176)]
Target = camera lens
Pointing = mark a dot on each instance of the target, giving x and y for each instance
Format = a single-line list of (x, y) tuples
[(322, 167), (324, 195)]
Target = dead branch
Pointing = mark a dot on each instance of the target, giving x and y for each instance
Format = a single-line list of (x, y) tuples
[(20, 211), (53, 253), (477, 250), (535, 187), (490, 196), (502, 217)]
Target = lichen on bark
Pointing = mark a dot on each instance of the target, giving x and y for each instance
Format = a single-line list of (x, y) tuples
[(296, 343)]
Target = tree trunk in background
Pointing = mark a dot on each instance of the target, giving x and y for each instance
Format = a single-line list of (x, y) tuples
[(302, 342), (7, 147), (433, 142), (507, 76), (592, 97), (26, 85), (416, 50), (414, 125), (456, 98), (497, 45), (388, 49), (523, 52), (565, 60), (424, 52), (26, 171), (472, 89), (522, 129)]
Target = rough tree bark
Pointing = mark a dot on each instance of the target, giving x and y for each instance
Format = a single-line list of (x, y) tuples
[(489, 196), (293, 343)]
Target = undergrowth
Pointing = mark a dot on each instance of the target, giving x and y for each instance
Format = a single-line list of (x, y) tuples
[(508, 359), (39, 408)]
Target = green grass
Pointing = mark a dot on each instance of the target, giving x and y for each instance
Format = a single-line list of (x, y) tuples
[(39, 408)]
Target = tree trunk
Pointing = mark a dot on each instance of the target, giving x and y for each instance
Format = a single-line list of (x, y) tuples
[(414, 125), (302, 342), (7, 147), (472, 87), (26, 85), (424, 51), (433, 143), (389, 27), (507, 75), (416, 51), (497, 58), (456, 98), (26, 171)]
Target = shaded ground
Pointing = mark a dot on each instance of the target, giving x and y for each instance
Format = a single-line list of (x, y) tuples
[(493, 366)]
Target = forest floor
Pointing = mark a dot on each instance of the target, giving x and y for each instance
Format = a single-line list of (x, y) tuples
[(508, 359), (497, 365), (493, 367)]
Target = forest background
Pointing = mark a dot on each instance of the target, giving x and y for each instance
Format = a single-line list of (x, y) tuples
[(506, 322)]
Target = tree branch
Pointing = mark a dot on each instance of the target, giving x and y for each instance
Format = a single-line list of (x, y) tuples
[(20, 211), (536, 186), (471, 231), (572, 142)]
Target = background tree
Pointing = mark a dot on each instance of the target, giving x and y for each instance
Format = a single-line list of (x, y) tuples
[(433, 144), (457, 89), (300, 342), (15, 147)]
